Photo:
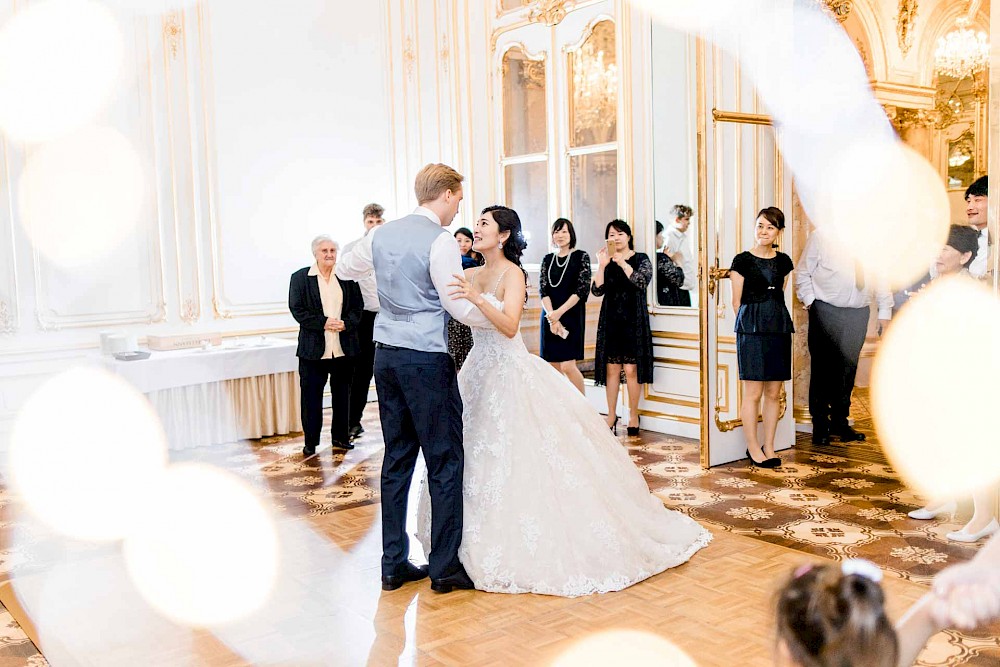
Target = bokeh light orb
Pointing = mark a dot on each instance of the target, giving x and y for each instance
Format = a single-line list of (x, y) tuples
[(207, 551), (60, 62), (81, 196), (934, 389), (624, 647), (883, 204), (84, 449)]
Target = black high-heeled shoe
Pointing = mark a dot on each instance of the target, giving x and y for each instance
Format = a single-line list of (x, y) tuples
[(766, 463), (614, 426), (632, 430)]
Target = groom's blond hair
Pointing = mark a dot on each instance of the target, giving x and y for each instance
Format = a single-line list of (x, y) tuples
[(434, 179)]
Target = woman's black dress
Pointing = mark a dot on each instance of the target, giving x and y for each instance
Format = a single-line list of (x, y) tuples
[(559, 280), (669, 278), (460, 335), (623, 334), (763, 325)]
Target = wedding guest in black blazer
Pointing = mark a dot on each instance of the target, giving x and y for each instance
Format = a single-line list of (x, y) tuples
[(328, 311)]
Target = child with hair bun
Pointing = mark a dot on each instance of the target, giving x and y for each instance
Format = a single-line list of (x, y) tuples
[(834, 615)]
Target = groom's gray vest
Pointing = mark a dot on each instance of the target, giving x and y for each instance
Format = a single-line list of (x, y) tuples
[(410, 312)]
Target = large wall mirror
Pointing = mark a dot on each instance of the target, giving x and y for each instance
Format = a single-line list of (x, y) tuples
[(674, 226)]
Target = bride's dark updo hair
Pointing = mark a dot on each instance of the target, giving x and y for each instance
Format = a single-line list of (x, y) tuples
[(508, 221)]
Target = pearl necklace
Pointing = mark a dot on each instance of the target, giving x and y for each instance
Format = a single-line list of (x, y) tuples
[(564, 266)]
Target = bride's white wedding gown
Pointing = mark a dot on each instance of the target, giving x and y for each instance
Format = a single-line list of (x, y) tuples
[(553, 503)]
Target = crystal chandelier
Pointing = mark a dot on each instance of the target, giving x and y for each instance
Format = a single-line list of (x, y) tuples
[(962, 52), (595, 89)]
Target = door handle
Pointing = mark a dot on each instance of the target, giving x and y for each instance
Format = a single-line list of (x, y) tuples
[(715, 274)]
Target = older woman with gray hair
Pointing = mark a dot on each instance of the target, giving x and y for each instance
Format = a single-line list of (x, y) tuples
[(328, 311)]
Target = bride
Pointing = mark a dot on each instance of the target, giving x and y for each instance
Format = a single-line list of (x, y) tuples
[(553, 503)]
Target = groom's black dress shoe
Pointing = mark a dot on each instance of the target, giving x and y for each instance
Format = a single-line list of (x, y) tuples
[(848, 434), (308, 450), (459, 579), (410, 572), (342, 445)]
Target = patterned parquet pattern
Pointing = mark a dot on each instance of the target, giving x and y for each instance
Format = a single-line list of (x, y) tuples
[(831, 502)]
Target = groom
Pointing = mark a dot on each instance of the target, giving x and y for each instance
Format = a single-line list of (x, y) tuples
[(414, 260)]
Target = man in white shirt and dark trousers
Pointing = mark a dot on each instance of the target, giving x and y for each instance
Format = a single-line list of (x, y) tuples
[(364, 369), (832, 288), (677, 243)]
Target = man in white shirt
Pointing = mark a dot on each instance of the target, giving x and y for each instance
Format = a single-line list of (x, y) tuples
[(976, 204), (365, 366), (415, 260), (834, 291), (679, 250)]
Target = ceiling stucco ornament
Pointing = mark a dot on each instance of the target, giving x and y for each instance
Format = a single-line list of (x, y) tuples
[(839, 9), (906, 17)]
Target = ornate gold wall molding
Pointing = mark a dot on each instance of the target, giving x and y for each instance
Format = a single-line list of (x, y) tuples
[(906, 18), (549, 12), (839, 9), (173, 32)]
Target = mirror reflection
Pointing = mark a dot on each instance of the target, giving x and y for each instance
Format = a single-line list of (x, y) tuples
[(673, 226), (675, 260)]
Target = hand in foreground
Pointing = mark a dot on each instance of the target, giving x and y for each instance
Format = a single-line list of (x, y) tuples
[(603, 259), (967, 595), (334, 325), (465, 289)]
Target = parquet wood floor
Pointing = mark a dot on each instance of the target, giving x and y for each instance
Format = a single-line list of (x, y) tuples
[(716, 608)]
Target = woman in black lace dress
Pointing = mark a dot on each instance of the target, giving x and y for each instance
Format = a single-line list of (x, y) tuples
[(564, 285), (669, 275), (460, 335), (763, 332), (624, 340)]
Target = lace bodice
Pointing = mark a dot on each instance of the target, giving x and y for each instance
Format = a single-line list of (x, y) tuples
[(492, 341)]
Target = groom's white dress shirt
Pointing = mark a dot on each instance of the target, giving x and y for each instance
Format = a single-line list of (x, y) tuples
[(369, 287), (445, 263)]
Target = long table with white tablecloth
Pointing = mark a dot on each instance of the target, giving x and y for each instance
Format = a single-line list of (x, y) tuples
[(240, 390)]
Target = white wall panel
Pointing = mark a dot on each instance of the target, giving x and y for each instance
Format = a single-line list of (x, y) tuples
[(298, 137)]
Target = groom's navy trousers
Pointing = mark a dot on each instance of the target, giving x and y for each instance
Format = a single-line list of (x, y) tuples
[(421, 410)]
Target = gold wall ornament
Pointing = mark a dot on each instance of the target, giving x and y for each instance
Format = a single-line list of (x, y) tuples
[(838, 9), (906, 17), (903, 119), (865, 58), (173, 32), (409, 57), (549, 12)]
